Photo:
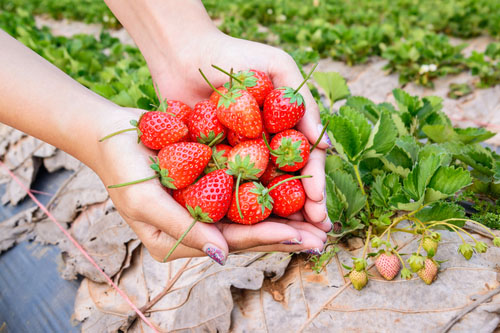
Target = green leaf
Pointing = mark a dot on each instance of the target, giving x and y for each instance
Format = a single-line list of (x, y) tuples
[(384, 188), (333, 84), (409, 145), (473, 135), (406, 102), (334, 204), (446, 182), (398, 161), (350, 190), (364, 106), (440, 133), (344, 137), (383, 136), (418, 179), (360, 122)]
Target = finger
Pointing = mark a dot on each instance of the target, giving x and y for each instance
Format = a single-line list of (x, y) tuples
[(167, 215), (296, 217), (315, 186), (311, 228), (158, 243), (286, 73), (310, 244), (239, 236)]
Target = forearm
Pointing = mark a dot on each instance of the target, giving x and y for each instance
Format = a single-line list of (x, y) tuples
[(163, 28), (39, 99)]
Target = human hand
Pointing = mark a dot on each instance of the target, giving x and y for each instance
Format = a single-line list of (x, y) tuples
[(178, 78), (159, 220)]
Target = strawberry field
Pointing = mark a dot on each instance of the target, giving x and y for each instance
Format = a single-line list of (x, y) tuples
[(409, 96)]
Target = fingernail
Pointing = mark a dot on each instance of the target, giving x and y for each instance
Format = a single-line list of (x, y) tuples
[(293, 241), (314, 252), (325, 138), (215, 254), (328, 222)]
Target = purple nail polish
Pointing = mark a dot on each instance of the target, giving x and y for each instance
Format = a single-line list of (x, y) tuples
[(325, 138), (215, 254), (293, 241), (314, 252)]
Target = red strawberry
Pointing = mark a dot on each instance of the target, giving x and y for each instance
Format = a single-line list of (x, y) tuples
[(204, 127), (388, 265), (271, 172), (257, 153), (254, 206), (220, 154), (257, 83), (184, 161), (238, 111), (428, 273), (177, 165), (178, 109), (289, 150), (284, 107), (179, 195), (235, 138), (207, 201), (214, 97), (212, 193), (158, 129), (288, 197)]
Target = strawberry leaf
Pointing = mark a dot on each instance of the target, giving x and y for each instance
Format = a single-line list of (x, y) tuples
[(349, 190), (382, 137), (418, 179), (333, 84), (344, 137), (359, 121), (440, 211), (446, 182)]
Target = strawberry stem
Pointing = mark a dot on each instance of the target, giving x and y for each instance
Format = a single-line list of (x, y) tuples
[(231, 75), (231, 79), (271, 151), (320, 136), (216, 139), (238, 195), (134, 182), (307, 78), (180, 240), (288, 179), (367, 241), (210, 84), (118, 132)]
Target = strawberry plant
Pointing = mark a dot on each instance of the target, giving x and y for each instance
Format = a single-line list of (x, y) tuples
[(406, 162)]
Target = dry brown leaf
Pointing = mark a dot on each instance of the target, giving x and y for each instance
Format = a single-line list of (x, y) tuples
[(26, 172), (14, 227), (199, 301)]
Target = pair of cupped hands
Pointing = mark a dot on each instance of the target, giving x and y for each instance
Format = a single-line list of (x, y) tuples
[(156, 217)]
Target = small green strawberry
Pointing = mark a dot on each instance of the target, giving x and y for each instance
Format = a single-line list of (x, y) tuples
[(466, 250), (428, 273), (496, 241), (481, 247), (430, 246), (359, 279), (416, 262), (376, 242)]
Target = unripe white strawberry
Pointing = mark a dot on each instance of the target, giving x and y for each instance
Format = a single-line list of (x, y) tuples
[(429, 272), (388, 265), (359, 279)]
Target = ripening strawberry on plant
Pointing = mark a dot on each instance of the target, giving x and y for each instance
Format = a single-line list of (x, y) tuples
[(388, 265), (284, 107)]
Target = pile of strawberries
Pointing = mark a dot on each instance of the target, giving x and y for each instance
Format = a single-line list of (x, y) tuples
[(234, 154)]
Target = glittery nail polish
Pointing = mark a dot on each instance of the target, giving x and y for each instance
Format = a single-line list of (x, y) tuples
[(293, 241), (314, 252), (215, 254)]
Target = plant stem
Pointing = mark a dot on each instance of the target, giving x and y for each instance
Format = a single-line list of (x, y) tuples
[(231, 76), (320, 136), (360, 182), (118, 132), (421, 244), (238, 195), (288, 179), (307, 78), (403, 230), (400, 259), (271, 151), (210, 84), (368, 235), (483, 226), (455, 228), (134, 182), (179, 240)]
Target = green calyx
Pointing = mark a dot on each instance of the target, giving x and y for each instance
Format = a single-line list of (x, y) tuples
[(217, 162), (466, 250), (294, 97), (359, 264), (199, 215), (263, 197), (496, 241), (376, 242), (244, 79), (481, 247), (165, 180), (243, 167), (288, 152), (211, 139), (406, 274), (416, 262)]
